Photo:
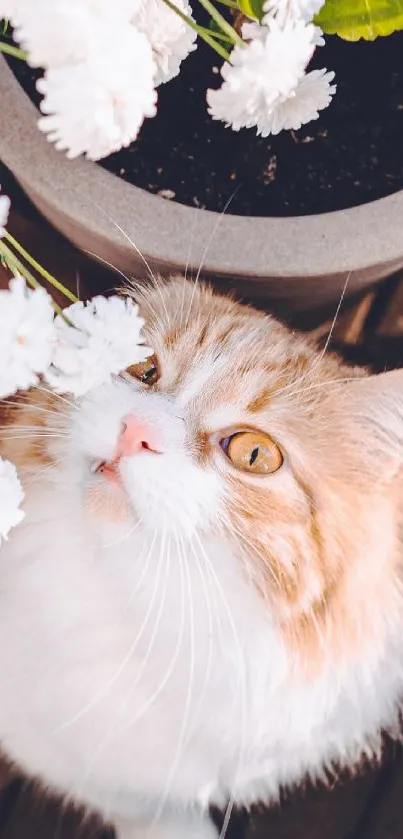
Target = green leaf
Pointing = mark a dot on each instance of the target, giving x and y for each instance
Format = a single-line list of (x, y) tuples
[(252, 8), (355, 19)]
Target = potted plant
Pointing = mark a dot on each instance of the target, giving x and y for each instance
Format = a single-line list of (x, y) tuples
[(279, 237)]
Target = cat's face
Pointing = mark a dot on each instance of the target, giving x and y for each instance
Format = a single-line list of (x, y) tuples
[(238, 430)]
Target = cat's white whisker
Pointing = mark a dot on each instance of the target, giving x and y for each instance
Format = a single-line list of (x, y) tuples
[(299, 391), (309, 374), (110, 265), (8, 403), (210, 633), (232, 528), (142, 298), (191, 238), (189, 251), (113, 728), (242, 690), (34, 436), (123, 538), (36, 428), (130, 283), (168, 673), (71, 404), (182, 307), (207, 248), (78, 282), (140, 254), (118, 672), (165, 561), (36, 475), (180, 745), (334, 321), (158, 285)]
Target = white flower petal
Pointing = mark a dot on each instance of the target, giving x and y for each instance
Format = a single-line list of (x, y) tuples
[(27, 336), (268, 68), (171, 38), (9, 8), (95, 107), (318, 37), (291, 10), (313, 93), (104, 339), (11, 496), (4, 211), (56, 32)]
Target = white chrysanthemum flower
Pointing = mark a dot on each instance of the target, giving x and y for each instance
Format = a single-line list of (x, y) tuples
[(19, 10), (9, 8), (263, 72), (11, 496), (4, 211), (27, 335), (291, 10), (104, 339), (170, 37), (57, 32), (313, 93), (97, 106), (253, 29)]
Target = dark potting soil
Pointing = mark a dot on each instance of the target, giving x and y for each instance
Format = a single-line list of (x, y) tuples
[(351, 155)]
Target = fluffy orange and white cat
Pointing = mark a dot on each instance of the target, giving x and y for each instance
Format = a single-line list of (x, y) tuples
[(205, 600)]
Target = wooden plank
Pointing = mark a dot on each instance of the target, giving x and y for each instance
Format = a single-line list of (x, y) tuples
[(391, 321), (36, 815), (317, 813), (348, 326), (383, 817)]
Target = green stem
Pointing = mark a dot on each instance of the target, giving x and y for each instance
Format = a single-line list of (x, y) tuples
[(231, 3), (222, 22), (39, 268), (16, 267), (14, 51), (219, 35), (200, 31)]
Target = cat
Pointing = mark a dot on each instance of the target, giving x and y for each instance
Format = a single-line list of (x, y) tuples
[(204, 603)]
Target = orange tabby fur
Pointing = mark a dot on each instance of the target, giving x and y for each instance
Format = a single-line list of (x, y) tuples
[(306, 541)]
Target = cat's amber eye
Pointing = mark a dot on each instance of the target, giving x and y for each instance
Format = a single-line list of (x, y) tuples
[(253, 451), (145, 371)]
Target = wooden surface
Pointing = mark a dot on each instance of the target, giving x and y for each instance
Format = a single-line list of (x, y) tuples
[(370, 806)]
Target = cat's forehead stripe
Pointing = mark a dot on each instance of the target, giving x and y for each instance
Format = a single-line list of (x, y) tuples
[(196, 380), (222, 417), (260, 401)]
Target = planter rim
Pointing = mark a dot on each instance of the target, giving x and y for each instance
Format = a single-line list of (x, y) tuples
[(346, 240)]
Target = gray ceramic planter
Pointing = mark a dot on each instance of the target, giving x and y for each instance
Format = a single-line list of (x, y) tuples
[(298, 263)]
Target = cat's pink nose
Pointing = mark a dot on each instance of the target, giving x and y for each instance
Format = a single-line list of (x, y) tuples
[(135, 436)]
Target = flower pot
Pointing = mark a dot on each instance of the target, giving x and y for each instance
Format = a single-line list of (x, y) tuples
[(294, 264)]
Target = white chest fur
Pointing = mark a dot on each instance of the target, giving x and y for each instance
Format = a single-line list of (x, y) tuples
[(145, 669)]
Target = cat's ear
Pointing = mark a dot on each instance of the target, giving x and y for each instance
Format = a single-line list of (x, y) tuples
[(375, 404)]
